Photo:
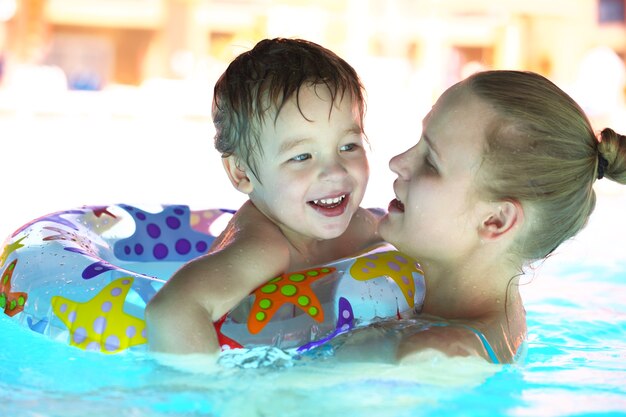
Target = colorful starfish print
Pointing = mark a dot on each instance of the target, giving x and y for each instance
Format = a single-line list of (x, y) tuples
[(72, 238), (100, 210), (345, 322), (101, 323), (10, 248), (11, 302), (294, 288), (163, 236), (393, 264), (97, 222), (54, 217), (85, 247)]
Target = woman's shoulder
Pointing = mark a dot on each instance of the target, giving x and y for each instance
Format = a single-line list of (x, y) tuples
[(491, 338)]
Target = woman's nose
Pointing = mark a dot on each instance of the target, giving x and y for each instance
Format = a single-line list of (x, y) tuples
[(399, 164)]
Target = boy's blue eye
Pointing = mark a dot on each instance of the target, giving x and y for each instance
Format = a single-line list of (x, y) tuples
[(349, 147), (301, 157)]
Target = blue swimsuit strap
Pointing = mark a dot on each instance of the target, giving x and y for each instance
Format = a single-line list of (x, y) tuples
[(483, 339), (481, 336)]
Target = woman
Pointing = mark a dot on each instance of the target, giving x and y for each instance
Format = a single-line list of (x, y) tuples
[(501, 176)]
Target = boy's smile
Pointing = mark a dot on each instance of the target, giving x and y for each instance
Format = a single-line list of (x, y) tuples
[(313, 169), (331, 206)]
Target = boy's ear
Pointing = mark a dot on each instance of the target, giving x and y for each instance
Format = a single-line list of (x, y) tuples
[(503, 218), (237, 175)]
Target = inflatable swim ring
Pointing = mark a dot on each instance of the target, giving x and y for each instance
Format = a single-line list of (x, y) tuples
[(84, 277)]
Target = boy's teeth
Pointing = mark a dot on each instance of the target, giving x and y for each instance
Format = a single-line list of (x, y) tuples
[(329, 201)]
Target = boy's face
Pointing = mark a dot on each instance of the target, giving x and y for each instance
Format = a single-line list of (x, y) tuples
[(313, 170)]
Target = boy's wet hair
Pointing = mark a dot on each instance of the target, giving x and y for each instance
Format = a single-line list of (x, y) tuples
[(259, 82)]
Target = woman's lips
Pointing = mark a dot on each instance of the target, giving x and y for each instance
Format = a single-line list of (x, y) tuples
[(396, 206)]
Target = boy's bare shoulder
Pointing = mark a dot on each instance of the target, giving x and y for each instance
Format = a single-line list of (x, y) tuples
[(249, 226), (255, 241)]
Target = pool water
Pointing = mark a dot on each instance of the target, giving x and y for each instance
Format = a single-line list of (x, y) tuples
[(575, 362)]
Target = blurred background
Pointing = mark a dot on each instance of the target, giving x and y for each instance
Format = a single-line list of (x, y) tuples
[(108, 101)]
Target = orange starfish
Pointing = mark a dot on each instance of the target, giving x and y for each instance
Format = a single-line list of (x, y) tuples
[(294, 288)]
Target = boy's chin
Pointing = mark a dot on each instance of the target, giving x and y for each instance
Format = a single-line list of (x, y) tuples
[(330, 231), (328, 234)]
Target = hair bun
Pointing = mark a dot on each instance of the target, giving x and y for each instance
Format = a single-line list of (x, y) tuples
[(612, 155)]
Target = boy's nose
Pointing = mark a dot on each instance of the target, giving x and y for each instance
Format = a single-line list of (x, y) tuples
[(332, 170)]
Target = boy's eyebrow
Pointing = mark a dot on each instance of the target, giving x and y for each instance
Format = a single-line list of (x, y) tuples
[(292, 143), (355, 129)]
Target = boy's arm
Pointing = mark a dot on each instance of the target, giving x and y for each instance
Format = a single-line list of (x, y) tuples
[(180, 317)]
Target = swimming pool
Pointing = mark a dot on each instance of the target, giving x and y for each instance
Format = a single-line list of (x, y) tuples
[(575, 365)]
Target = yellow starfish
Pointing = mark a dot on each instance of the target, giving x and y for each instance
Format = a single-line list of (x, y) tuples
[(393, 264), (10, 248), (101, 323)]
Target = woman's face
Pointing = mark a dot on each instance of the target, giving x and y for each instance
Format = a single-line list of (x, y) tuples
[(437, 211)]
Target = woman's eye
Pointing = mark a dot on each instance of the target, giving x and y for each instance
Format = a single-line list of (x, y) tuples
[(301, 157), (431, 166)]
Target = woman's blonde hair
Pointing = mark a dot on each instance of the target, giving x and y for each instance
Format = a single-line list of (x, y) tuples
[(542, 151)]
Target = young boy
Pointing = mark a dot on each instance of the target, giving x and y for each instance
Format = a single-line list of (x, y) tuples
[(289, 124)]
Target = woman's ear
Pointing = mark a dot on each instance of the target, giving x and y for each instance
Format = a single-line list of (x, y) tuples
[(237, 175), (505, 216)]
